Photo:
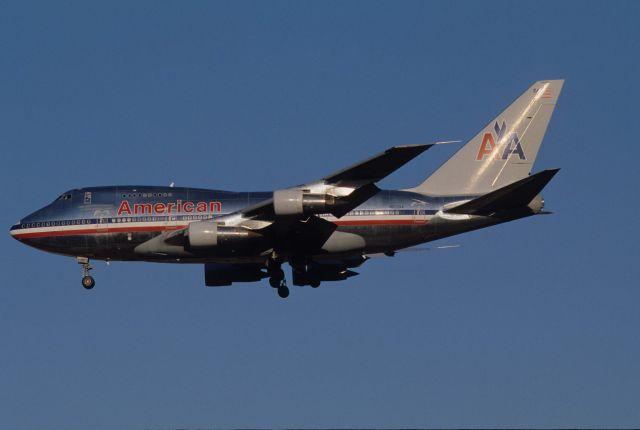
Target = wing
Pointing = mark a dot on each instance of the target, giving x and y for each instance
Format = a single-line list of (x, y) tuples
[(337, 193), (377, 167), (292, 213)]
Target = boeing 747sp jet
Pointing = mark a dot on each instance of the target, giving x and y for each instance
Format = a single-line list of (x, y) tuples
[(322, 229)]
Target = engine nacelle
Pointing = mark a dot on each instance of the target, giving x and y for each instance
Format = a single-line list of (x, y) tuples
[(203, 235), (297, 202)]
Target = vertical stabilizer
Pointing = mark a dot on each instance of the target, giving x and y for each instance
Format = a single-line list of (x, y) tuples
[(502, 152)]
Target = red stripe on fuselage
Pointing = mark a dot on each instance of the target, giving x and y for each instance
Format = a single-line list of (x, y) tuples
[(79, 232), (55, 233)]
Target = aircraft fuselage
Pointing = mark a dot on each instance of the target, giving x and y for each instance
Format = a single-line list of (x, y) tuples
[(108, 223)]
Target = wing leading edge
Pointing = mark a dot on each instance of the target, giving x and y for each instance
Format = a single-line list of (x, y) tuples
[(349, 187)]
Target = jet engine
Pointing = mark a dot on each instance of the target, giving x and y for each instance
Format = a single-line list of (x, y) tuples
[(297, 202), (203, 235)]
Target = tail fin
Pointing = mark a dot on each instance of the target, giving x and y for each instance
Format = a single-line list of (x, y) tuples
[(502, 152)]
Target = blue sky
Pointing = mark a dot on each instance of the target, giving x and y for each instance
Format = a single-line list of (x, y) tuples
[(533, 323)]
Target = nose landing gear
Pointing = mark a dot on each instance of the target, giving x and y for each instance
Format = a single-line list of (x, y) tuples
[(87, 280)]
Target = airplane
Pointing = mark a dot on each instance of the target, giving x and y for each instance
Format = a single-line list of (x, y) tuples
[(323, 229)]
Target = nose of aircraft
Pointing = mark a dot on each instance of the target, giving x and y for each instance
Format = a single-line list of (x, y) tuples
[(15, 229), (21, 230), (32, 228)]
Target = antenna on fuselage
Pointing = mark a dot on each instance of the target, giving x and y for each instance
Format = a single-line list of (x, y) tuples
[(171, 184)]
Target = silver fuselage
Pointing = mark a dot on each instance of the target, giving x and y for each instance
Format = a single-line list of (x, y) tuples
[(108, 223)]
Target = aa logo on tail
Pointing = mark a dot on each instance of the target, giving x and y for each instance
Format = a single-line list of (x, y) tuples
[(505, 146)]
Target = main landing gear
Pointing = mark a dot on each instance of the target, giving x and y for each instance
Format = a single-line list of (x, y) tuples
[(87, 280), (277, 279)]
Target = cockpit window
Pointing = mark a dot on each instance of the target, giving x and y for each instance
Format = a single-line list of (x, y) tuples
[(66, 196)]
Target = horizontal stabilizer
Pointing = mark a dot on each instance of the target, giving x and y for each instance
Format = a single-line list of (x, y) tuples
[(512, 197)]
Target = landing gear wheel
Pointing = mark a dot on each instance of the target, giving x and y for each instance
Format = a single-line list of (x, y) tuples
[(283, 291), (274, 282), (315, 284), (88, 282)]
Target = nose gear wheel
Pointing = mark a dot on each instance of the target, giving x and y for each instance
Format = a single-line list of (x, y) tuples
[(87, 280)]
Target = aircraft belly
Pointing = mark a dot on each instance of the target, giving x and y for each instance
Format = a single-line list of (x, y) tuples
[(388, 237)]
